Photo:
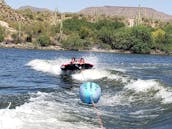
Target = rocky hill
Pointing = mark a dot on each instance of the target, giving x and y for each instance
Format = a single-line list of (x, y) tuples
[(34, 9), (9, 15), (128, 12)]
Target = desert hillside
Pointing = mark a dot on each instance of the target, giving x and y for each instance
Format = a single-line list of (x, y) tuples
[(128, 12), (10, 15)]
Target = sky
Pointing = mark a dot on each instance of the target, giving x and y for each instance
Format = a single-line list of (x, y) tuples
[(77, 5)]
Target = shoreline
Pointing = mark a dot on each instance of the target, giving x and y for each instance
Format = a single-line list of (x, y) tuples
[(31, 46)]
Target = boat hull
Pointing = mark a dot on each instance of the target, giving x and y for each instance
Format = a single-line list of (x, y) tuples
[(69, 69)]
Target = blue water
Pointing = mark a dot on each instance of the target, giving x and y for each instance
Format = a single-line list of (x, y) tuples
[(136, 91)]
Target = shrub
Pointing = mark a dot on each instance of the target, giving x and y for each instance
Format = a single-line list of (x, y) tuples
[(142, 33), (1, 38), (73, 42), (43, 40), (105, 35), (1, 34), (140, 47), (122, 39), (16, 38), (104, 46), (159, 38), (74, 25), (111, 25)]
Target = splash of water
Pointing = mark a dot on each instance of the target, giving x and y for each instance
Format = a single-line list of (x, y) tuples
[(53, 67), (165, 93), (47, 66), (41, 113), (142, 85), (92, 74)]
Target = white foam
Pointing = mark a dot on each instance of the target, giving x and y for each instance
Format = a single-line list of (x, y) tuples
[(166, 95), (142, 85), (53, 67), (41, 113), (123, 98), (91, 74), (117, 99), (95, 74), (47, 66), (118, 78), (8, 119), (119, 69)]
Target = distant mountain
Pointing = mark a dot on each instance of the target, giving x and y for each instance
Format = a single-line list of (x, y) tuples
[(127, 12), (34, 9)]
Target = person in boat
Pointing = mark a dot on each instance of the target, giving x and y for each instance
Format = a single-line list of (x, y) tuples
[(81, 61), (73, 61), (75, 65)]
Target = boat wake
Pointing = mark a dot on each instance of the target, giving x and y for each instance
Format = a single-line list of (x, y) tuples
[(135, 86), (42, 112), (122, 98), (144, 91), (53, 67), (46, 66), (62, 110)]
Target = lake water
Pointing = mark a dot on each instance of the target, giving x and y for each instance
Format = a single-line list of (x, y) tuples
[(136, 91)]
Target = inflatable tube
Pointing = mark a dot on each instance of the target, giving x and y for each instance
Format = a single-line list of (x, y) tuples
[(90, 92)]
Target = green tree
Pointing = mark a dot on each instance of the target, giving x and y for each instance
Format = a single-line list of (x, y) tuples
[(168, 28), (143, 39), (159, 38), (84, 32), (105, 35), (123, 39), (43, 40), (74, 25), (140, 47), (110, 24), (143, 33), (73, 42)]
